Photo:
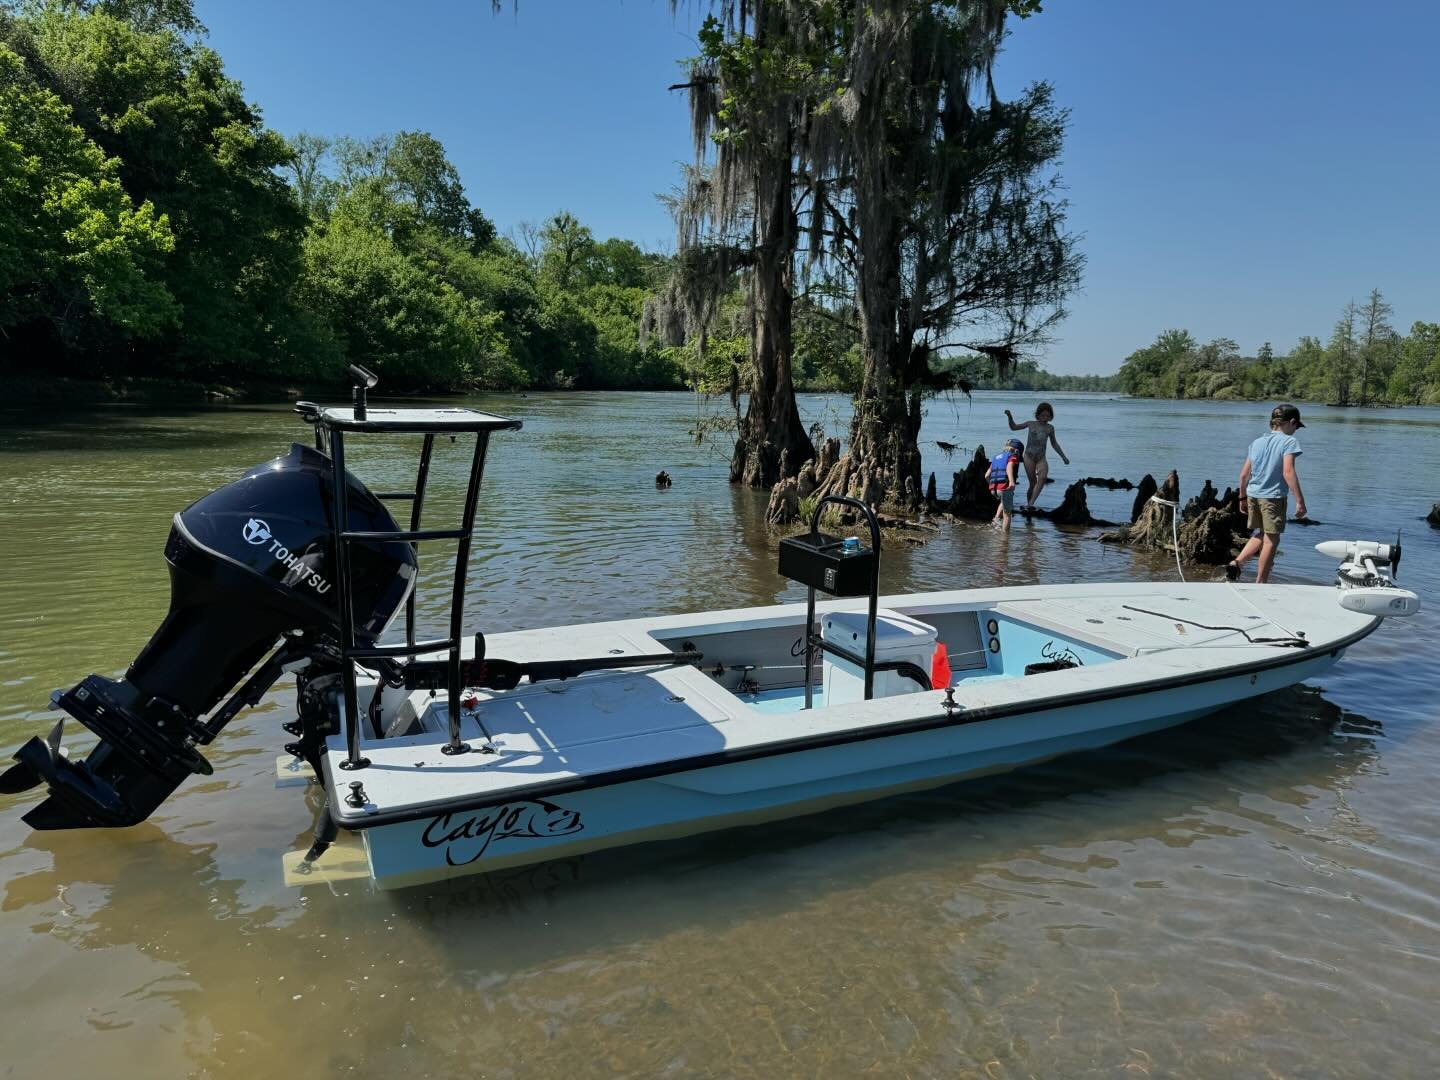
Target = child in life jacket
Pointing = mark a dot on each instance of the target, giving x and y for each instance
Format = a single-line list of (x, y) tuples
[(1004, 467)]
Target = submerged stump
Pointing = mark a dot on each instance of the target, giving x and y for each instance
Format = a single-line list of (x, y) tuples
[(1217, 533), (1146, 488), (1109, 482), (970, 493), (1150, 525), (1210, 529), (1206, 500), (1073, 508)]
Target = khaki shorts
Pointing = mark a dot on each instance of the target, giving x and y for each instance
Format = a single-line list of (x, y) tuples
[(1267, 515)]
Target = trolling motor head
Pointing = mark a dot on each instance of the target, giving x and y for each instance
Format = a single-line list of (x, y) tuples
[(1352, 550), (251, 564), (1366, 577)]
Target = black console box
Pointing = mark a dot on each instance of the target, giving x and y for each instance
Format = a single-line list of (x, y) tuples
[(816, 560)]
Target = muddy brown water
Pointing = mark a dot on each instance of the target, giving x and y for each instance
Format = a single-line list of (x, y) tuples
[(1256, 894)]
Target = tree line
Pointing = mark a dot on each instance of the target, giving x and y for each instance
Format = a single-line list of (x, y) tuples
[(150, 224), (1364, 361)]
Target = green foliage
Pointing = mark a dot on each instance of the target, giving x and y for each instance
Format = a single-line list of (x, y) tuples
[(827, 353), (567, 251), (187, 143), (388, 314), (148, 16), (1416, 375), (623, 263), (74, 249), (150, 222), (1364, 361), (1340, 358), (620, 359), (1145, 372), (714, 365)]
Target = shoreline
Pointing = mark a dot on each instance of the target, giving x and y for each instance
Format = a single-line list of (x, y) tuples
[(24, 389)]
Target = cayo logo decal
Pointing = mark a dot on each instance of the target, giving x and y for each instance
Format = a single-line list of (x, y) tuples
[(257, 532), (1054, 653), (465, 839)]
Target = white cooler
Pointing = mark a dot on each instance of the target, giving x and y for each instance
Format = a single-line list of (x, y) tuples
[(897, 637)]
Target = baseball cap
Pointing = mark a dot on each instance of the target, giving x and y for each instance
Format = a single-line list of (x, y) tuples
[(1287, 412), (1016, 444)]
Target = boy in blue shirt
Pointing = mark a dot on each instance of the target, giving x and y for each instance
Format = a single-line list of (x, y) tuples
[(1268, 471)]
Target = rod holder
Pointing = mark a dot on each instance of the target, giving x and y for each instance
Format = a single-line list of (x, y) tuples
[(365, 380)]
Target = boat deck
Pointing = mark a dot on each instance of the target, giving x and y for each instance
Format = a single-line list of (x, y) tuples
[(609, 723)]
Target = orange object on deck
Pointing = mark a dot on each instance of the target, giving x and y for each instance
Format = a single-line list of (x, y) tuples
[(940, 667)]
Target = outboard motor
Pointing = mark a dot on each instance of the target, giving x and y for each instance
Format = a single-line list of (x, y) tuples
[(251, 565)]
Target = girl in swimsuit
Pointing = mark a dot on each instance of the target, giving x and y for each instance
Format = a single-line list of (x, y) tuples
[(1038, 432)]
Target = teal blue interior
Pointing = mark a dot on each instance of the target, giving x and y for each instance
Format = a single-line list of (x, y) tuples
[(1007, 651), (1014, 645)]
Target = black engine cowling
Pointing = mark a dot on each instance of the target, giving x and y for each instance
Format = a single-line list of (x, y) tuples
[(249, 562), (253, 560)]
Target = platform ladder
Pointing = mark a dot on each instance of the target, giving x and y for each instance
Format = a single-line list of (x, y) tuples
[(331, 425)]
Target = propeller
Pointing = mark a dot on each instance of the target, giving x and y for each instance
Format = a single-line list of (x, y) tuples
[(23, 776), (1395, 558)]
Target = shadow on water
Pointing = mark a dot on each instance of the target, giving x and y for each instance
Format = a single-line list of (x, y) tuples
[(1294, 744)]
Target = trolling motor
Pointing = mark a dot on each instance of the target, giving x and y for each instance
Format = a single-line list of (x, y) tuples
[(1366, 577), (252, 572)]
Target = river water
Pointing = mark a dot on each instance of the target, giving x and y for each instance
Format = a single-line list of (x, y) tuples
[(1257, 894)]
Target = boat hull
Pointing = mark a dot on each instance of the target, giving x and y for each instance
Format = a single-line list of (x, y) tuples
[(803, 781)]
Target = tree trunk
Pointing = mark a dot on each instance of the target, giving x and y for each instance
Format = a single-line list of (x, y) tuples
[(884, 434), (771, 428), (885, 431)]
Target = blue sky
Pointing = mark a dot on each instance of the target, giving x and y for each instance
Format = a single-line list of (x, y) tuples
[(1236, 168)]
